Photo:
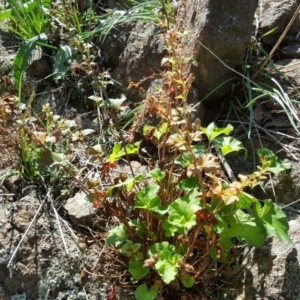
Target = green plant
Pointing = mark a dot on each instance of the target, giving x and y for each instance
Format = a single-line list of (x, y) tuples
[(185, 217), (29, 156), (41, 23), (188, 215), (28, 18), (29, 150), (196, 218), (142, 10), (267, 88), (68, 22), (28, 21), (43, 151)]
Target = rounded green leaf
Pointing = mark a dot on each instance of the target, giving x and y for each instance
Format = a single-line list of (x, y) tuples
[(187, 280), (142, 292), (147, 198), (157, 174), (228, 144), (137, 269), (212, 131), (117, 236)]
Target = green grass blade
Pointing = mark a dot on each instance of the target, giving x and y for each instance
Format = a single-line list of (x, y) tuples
[(24, 56)]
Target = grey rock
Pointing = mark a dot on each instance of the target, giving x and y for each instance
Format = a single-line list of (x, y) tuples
[(6, 68), (135, 166), (6, 62), (13, 183), (277, 14), (80, 210), (291, 51), (114, 44), (290, 68), (277, 263), (47, 97), (142, 55), (41, 269), (225, 30)]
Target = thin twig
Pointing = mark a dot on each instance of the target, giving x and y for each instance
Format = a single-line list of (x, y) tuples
[(107, 276), (25, 233), (86, 295), (69, 228), (290, 204), (273, 188), (256, 26), (100, 254), (115, 258), (59, 226), (48, 196)]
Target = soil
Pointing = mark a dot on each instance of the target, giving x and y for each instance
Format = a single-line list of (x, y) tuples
[(51, 262)]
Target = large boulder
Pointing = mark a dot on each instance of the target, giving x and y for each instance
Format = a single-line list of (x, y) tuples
[(219, 33), (141, 57), (225, 29)]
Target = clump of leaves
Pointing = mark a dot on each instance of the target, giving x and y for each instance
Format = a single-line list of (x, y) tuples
[(183, 224), (188, 214)]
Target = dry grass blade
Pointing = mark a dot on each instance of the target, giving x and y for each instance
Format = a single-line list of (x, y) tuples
[(60, 229), (48, 197), (290, 204)]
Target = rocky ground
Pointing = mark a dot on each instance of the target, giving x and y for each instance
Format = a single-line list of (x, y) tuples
[(54, 249)]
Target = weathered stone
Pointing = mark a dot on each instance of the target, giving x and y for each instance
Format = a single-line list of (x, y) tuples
[(291, 51), (6, 62), (13, 183), (141, 56), (136, 167), (114, 44), (48, 97), (41, 267), (290, 68), (27, 210), (217, 31), (225, 29), (276, 14), (273, 271), (80, 210)]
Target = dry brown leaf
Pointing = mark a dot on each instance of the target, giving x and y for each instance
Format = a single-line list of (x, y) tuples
[(209, 163)]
